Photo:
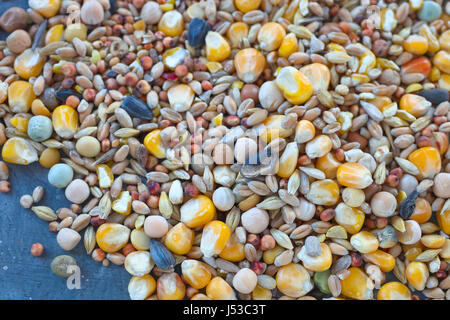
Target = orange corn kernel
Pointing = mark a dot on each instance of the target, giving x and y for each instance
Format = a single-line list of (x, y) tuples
[(364, 242), (260, 293), (236, 32), (288, 160), (214, 238), (270, 36), (198, 211), (323, 192), (122, 204), (384, 260), (352, 219), (422, 212), (354, 175), (20, 123), (444, 40), (29, 64), (318, 74), (171, 23), (394, 291), (19, 151), (294, 280), (200, 296), (154, 144), (328, 164), (111, 237), (304, 131), (233, 251), (219, 289), (47, 8), (39, 109), (442, 61), (414, 104), (357, 285), (270, 255), (443, 219), (170, 287), (54, 33), (416, 44), (433, 241), (249, 64), (412, 253), (179, 239), (427, 160), (195, 273), (288, 46), (419, 65), (417, 274), (318, 263), (247, 5), (65, 121), (217, 48), (294, 85), (433, 42), (20, 96)]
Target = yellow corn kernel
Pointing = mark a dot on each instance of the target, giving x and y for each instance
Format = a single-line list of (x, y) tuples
[(270, 255), (387, 64), (328, 164), (415, 4), (233, 251), (154, 144), (354, 175), (357, 285), (358, 79), (76, 30), (345, 119), (65, 121), (422, 212), (197, 212), (444, 40), (39, 109), (319, 146), (294, 85), (288, 160), (180, 97), (304, 131), (139, 239), (384, 260), (271, 128), (19, 151), (433, 42), (247, 5), (260, 293), (111, 237), (444, 82), (434, 75), (49, 157), (215, 236), (54, 34), (416, 44), (105, 176), (394, 291), (29, 64), (270, 36), (166, 7), (170, 287), (412, 253), (139, 25), (140, 288), (433, 241), (413, 87), (364, 242), (414, 104), (179, 239), (417, 274), (20, 123), (122, 204), (443, 218), (352, 219), (367, 62), (387, 19), (174, 57), (323, 192), (171, 23), (318, 74), (195, 273), (200, 296), (335, 47), (318, 263), (219, 289), (427, 160), (236, 32), (20, 96), (293, 280), (288, 46), (442, 61), (249, 64), (47, 8), (217, 48)]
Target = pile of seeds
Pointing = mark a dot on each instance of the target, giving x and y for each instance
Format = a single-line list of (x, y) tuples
[(239, 149)]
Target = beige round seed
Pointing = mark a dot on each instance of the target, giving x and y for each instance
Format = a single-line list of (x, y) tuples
[(353, 197), (245, 280), (155, 226), (88, 146), (77, 191), (223, 154), (223, 198), (244, 148), (383, 204), (26, 201), (255, 220), (68, 238)]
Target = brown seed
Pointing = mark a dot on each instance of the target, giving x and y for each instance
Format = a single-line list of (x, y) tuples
[(14, 18)]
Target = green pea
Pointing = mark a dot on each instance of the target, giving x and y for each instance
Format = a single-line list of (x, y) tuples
[(321, 281)]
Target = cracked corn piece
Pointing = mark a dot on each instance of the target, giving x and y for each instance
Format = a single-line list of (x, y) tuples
[(169, 286), (140, 288), (414, 104), (198, 211), (47, 8), (249, 64), (288, 160), (215, 236), (195, 273), (219, 289), (367, 62), (357, 285), (319, 263), (111, 237), (29, 64), (174, 57), (19, 151), (271, 128), (171, 23), (270, 36), (318, 74), (233, 251), (354, 175), (20, 123), (288, 46), (384, 260), (352, 219), (180, 97), (179, 239), (294, 280), (394, 291), (388, 20), (323, 192), (154, 144), (54, 34), (65, 121), (104, 175), (294, 85), (417, 274), (20, 96), (427, 160), (217, 48), (247, 5), (328, 164), (122, 204), (260, 293)]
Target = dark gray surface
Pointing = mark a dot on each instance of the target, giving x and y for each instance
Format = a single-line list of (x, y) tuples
[(23, 276)]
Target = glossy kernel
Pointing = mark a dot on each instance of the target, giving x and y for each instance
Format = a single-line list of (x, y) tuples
[(180, 97), (171, 23), (294, 85), (217, 48), (384, 260), (47, 8), (104, 175), (54, 34), (323, 192), (29, 64), (247, 5), (394, 291), (414, 104), (416, 44), (19, 151), (433, 241), (294, 280), (318, 74), (422, 211), (170, 287), (233, 251), (357, 285), (65, 121), (195, 273), (249, 64), (354, 175), (219, 289), (141, 288), (304, 131), (197, 211), (179, 239), (122, 204), (443, 219), (271, 128), (288, 160), (442, 61), (215, 236), (352, 219), (270, 36), (154, 144), (417, 274), (419, 65), (364, 242), (20, 96), (427, 160), (328, 164), (111, 237), (288, 46), (236, 32), (318, 263)]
